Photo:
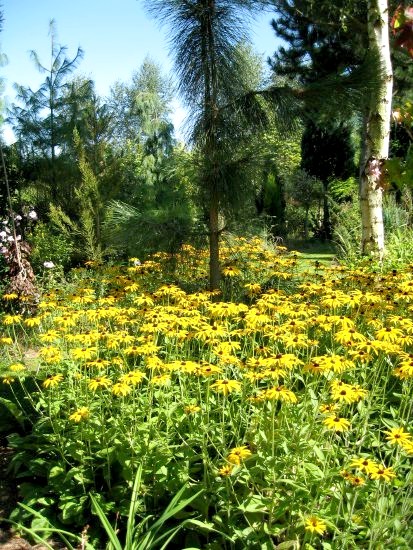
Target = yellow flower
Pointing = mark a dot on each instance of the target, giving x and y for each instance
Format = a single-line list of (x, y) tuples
[(50, 336), (349, 336), (408, 446), (239, 454), (16, 367), (398, 436), (79, 414), (364, 464), (225, 471), (10, 296), (133, 377), (49, 352), (357, 481), (99, 363), (206, 369), (84, 354), (226, 386), (11, 319), (6, 340), (33, 321), (231, 271), (7, 380), (334, 299), (253, 288), (344, 394), (328, 408), (52, 381), (336, 423), (382, 473), (191, 409), (99, 382), (315, 525), (120, 388), (161, 380), (389, 334), (280, 393)]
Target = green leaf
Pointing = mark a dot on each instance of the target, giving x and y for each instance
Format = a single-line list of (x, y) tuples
[(13, 409), (255, 503), (105, 523), (314, 470), (133, 508), (56, 471), (288, 545)]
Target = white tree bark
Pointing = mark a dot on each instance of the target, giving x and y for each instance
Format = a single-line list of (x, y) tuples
[(377, 135)]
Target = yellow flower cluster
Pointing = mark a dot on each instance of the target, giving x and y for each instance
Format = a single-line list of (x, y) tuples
[(126, 336)]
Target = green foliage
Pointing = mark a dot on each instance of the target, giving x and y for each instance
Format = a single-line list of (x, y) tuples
[(305, 191), (229, 443), (50, 245), (144, 536), (139, 233), (38, 123), (399, 247)]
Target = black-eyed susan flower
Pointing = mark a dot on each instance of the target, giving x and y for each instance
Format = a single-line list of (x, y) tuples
[(357, 481), (408, 446), (191, 409), (207, 369), (133, 377), (52, 381), (231, 271), (238, 454), (32, 321), (253, 288), (382, 473), (161, 380), (80, 414), (10, 296), (99, 382), (343, 394), (121, 389), (389, 334), (50, 336), (17, 367), (334, 299), (84, 354), (349, 335), (12, 319), (316, 525), (328, 408), (279, 393), (225, 471), (364, 464), (226, 386), (397, 436), (336, 423)]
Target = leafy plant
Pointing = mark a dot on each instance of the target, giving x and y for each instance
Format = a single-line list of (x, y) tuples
[(142, 536)]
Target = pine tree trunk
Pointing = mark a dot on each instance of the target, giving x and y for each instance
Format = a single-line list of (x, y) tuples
[(214, 270), (377, 134)]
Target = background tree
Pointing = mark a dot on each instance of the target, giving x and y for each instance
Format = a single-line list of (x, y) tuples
[(37, 123), (377, 133), (141, 109), (210, 78), (327, 154), (320, 45)]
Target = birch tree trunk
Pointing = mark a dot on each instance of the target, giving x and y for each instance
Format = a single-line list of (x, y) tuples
[(377, 134)]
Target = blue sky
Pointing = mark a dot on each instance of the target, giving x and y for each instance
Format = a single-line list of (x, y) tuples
[(116, 36)]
